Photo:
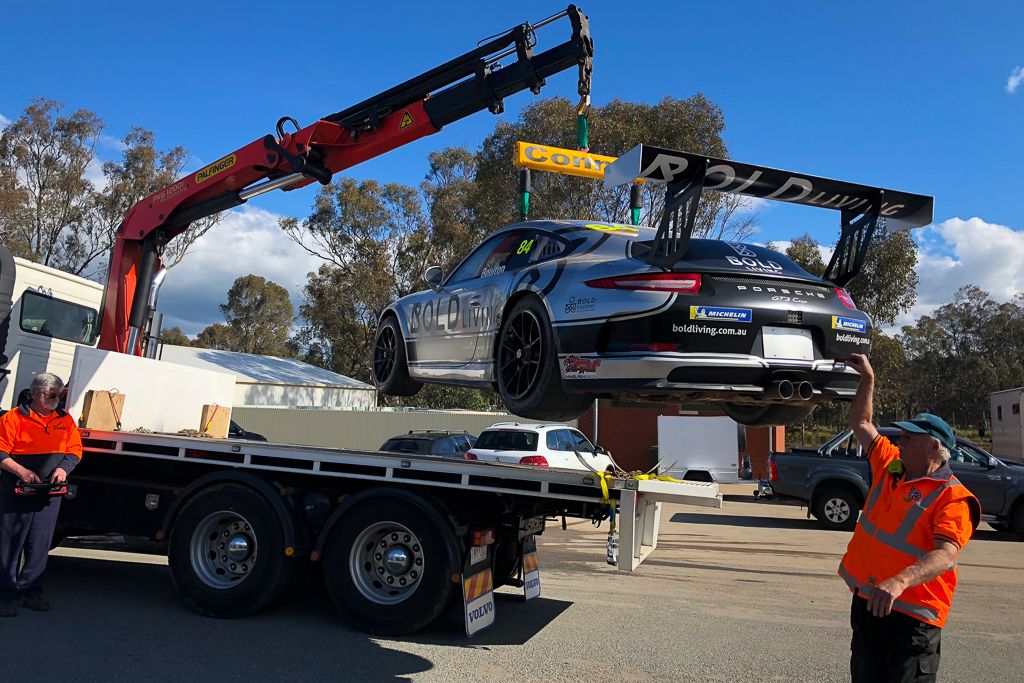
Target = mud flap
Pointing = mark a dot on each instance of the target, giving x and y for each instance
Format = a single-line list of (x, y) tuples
[(531, 569), (478, 590)]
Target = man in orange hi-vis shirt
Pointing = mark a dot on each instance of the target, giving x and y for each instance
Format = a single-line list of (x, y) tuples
[(38, 443), (901, 562)]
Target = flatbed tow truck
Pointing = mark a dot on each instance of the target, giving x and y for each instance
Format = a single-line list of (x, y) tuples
[(400, 538)]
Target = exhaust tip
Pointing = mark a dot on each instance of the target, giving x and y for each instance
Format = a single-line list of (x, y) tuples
[(784, 389), (805, 390)]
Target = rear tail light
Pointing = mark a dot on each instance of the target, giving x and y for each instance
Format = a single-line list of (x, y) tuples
[(678, 283), (773, 470), (845, 297), (483, 537), (538, 460), (470, 455)]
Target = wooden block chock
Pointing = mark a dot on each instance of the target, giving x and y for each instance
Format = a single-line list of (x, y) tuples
[(102, 410), (215, 421)]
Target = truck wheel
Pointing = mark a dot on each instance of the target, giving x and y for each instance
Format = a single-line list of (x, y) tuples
[(753, 415), (390, 365), (388, 567), (1017, 519), (836, 509), (529, 380), (226, 552)]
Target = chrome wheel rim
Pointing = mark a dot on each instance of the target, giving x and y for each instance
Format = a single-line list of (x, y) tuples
[(386, 563), (223, 549), (837, 510), (519, 355)]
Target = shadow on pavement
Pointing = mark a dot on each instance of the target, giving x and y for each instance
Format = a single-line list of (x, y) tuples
[(745, 521), (122, 619)]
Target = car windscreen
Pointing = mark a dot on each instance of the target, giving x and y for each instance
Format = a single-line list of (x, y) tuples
[(507, 440)]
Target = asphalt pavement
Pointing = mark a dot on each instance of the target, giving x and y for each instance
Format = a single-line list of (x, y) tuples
[(745, 592)]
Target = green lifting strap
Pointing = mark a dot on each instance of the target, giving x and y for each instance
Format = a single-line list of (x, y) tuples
[(582, 133), (525, 186)]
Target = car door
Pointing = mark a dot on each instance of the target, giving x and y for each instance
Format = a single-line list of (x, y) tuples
[(972, 466)]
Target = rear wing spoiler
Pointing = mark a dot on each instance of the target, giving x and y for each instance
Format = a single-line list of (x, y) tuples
[(861, 207)]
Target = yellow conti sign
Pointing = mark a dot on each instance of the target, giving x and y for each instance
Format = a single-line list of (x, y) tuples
[(558, 160)]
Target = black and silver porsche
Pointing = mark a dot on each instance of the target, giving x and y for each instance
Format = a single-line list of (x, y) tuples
[(552, 314)]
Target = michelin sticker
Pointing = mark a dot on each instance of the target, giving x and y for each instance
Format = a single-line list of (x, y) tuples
[(734, 315), (849, 324)]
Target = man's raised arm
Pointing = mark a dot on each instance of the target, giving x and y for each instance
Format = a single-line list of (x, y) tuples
[(862, 410)]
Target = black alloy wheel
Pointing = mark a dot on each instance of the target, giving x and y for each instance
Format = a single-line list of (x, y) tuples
[(520, 354), (390, 367)]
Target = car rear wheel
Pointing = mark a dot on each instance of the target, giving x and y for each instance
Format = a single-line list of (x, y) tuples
[(527, 367), (390, 366), (753, 415)]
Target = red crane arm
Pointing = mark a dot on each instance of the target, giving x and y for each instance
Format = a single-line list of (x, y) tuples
[(391, 119)]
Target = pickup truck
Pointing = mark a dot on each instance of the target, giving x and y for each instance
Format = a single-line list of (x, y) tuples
[(833, 481)]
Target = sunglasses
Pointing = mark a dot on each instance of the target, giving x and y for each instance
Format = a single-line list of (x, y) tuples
[(51, 396)]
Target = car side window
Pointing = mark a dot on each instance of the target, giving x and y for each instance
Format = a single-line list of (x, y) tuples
[(552, 440), (491, 258), (536, 247), (565, 440), (461, 443), (582, 443), (444, 446), (966, 455)]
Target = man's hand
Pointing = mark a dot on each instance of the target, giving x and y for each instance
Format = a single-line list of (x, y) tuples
[(860, 363), (884, 595), (28, 476), (59, 476)]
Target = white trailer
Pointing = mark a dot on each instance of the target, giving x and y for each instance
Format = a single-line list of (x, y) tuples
[(699, 448), (1007, 424)]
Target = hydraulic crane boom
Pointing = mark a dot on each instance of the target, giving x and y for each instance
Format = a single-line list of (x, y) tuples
[(290, 160)]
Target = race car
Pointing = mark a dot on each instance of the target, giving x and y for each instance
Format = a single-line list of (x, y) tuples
[(552, 314)]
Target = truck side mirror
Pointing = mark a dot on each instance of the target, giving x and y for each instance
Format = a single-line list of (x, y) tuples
[(993, 462), (433, 276)]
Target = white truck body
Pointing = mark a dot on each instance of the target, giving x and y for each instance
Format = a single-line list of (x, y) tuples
[(51, 314), (699, 448)]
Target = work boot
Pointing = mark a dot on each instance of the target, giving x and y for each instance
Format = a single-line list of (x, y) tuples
[(8, 608), (35, 602)]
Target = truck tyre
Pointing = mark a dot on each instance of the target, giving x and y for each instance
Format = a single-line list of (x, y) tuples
[(226, 552), (1017, 520), (529, 380), (390, 364), (388, 567), (753, 415), (836, 508)]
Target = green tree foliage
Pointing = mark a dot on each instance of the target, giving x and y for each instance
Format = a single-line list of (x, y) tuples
[(805, 253), (217, 336), (961, 353), (259, 315), (175, 336), (51, 213)]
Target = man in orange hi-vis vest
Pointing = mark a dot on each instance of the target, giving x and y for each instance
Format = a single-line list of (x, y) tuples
[(901, 562)]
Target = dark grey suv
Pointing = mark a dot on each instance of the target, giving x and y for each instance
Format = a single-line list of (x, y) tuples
[(430, 442)]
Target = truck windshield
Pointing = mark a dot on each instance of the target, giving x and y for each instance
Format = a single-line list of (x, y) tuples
[(50, 317)]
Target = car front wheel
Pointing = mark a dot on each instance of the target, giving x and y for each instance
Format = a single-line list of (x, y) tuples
[(529, 381)]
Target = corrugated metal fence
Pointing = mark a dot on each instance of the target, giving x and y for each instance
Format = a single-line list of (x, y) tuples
[(356, 429)]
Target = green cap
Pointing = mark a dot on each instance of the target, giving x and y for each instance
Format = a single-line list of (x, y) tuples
[(932, 425)]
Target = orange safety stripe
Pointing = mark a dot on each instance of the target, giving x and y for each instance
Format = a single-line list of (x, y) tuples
[(477, 585), (530, 562)]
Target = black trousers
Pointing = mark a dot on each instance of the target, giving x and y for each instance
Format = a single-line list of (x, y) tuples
[(892, 649), (26, 529)]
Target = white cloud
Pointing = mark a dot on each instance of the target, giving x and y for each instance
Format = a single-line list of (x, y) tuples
[(961, 252), (4, 122), (247, 240), (1015, 79), (94, 174)]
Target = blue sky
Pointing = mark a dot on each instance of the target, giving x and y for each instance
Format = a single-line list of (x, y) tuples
[(914, 96)]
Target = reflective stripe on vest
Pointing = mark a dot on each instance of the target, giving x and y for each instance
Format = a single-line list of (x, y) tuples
[(867, 590), (898, 540)]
